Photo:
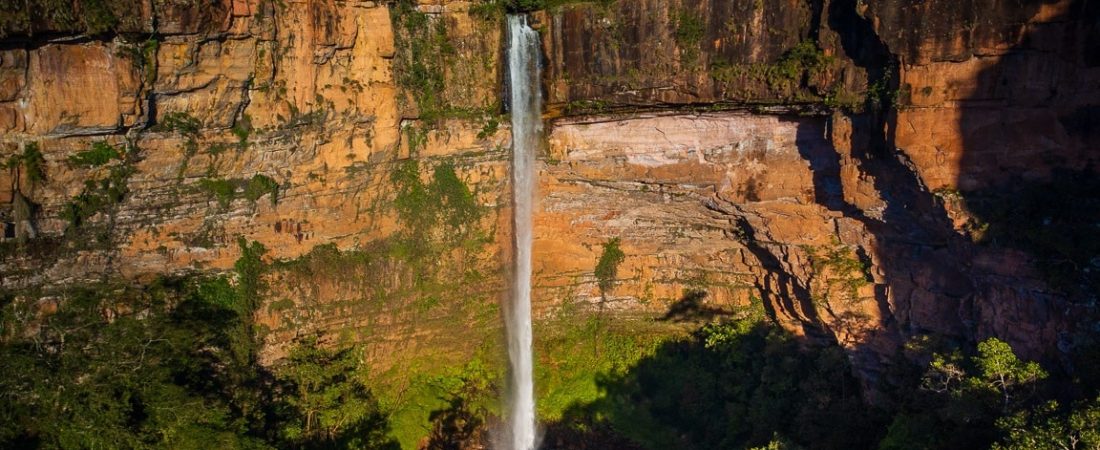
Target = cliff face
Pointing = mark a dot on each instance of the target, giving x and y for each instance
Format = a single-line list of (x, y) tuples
[(817, 156)]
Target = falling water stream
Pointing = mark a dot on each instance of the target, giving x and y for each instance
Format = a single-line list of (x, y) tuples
[(523, 61)]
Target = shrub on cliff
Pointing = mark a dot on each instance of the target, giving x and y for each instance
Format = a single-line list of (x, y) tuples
[(607, 268)]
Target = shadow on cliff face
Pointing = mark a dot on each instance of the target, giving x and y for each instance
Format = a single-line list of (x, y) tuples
[(1031, 139), (1027, 179), (1026, 176)]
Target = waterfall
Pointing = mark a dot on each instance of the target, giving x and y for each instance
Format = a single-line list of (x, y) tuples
[(526, 108)]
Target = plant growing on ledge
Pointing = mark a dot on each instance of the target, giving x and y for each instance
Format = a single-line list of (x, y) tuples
[(31, 160), (97, 196), (607, 267), (242, 129), (690, 29), (225, 190), (101, 153), (423, 54), (839, 273), (180, 122)]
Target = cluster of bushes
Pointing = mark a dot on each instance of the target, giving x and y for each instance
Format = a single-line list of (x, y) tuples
[(252, 189), (173, 364), (82, 16), (746, 383)]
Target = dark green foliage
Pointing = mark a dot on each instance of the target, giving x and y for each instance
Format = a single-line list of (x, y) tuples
[(260, 185), (526, 5), (443, 209), (328, 400), (242, 129), (180, 122), (249, 267), (32, 162), (98, 17), (959, 397), (171, 365), (424, 52), (223, 190), (489, 129), (518, 6), (740, 384), (101, 153), (783, 77), (98, 196), (607, 267), (1050, 427), (690, 29), (226, 190), (91, 17), (488, 10), (119, 367), (802, 58)]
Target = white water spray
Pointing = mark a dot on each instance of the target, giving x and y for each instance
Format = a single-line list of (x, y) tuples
[(523, 51)]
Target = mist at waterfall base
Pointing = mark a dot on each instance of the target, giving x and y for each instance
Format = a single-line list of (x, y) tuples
[(523, 60)]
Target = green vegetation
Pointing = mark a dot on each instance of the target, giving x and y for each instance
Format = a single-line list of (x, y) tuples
[(880, 95), (91, 17), (744, 382), (260, 185), (489, 129), (596, 106), (689, 32), (785, 76), (443, 209), (242, 129), (101, 153), (330, 404), (222, 190), (607, 267), (804, 58), (149, 58), (552, 5), (424, 53), (1051, 427), (734, 384), (98, 196), (172, 364), (576, 350), (839, 272), (451, 404), (426, 57), (490, 11), (179, 122), (227, 190), (31, 161)]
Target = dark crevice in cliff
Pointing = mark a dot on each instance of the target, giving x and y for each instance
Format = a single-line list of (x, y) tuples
[(789, 293)]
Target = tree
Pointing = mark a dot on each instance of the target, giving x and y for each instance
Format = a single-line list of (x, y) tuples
[(1003, 372), (330, 405), (1046, 428)]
